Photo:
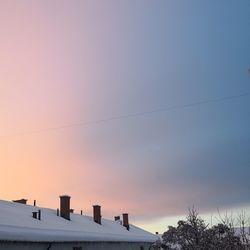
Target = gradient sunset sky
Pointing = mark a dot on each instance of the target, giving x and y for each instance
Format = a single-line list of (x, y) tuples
[(65, 62)]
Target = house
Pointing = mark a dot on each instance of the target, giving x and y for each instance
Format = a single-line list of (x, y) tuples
[(26, 227)]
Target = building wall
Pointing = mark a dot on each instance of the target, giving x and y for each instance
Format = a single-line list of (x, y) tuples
[(75, 246)]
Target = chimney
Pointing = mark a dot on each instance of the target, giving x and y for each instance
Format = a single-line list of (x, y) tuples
[(97, 214), (65, 207), (21, 201), (117, 218), (125, 221)]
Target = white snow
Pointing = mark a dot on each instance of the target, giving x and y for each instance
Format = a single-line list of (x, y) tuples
[(17, 224)]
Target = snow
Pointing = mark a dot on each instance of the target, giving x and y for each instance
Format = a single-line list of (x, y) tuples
[(17, 224)]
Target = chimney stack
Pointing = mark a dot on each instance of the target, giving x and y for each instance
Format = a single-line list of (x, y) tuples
[(125, 221), (21, 201), (97, 214), (117, 218), (65, 207)]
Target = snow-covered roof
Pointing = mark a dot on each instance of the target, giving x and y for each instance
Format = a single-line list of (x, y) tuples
[(17, 224)]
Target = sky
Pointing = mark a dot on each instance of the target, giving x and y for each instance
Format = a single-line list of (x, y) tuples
[(68, 62)]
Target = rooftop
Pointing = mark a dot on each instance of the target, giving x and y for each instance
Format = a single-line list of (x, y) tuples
[(17, 224)]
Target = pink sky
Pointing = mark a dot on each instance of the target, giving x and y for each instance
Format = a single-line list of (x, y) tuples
[(64, 62), (42, 87)]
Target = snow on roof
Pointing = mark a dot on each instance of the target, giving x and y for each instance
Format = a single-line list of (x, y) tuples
[(17, 224)]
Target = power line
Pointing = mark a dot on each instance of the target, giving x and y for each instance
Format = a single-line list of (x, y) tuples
[(131, 115)]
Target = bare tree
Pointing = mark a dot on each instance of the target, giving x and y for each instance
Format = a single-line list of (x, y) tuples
[(243, 230), (194, 234)]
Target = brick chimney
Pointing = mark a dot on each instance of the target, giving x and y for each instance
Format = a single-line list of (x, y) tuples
[(65, 207), (125, 221), (97, 214), (21, 201)]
